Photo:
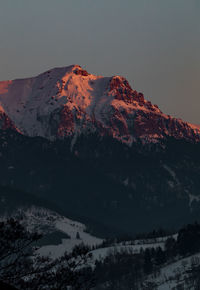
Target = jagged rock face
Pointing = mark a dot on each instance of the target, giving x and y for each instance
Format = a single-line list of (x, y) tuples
[(68, 102)]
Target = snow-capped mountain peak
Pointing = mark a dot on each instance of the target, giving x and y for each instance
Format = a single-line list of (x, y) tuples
[(68, 101)]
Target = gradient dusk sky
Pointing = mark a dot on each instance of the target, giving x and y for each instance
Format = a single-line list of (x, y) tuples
[(155, 44)]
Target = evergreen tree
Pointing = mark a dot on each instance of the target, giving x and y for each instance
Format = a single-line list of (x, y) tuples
[(160, 256), (78, 236), (170, 247), (148, 266)]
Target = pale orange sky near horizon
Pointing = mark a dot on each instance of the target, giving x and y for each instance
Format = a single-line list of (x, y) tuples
[(155, 44)]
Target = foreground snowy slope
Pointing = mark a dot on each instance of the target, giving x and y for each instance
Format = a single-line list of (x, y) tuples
[(176, 275), (69, 101), (47, 222)]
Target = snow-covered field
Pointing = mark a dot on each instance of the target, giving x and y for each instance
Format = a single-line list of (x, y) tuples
[(46, 221), (101, 253), (71, 228)]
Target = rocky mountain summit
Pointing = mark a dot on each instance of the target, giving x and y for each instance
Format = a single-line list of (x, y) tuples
[(69, 102)]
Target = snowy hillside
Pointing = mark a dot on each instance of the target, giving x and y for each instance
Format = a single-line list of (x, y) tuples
[(176, 275), (101, 253), (46, 222), (175, 272), (169, 276)]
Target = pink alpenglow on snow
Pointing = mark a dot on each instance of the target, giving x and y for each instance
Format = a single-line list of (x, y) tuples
[(68, 102)]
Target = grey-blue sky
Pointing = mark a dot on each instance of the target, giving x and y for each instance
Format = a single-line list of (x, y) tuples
[(155, 44)]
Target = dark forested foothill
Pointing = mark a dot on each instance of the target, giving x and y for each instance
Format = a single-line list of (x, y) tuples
[(113, 188)]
